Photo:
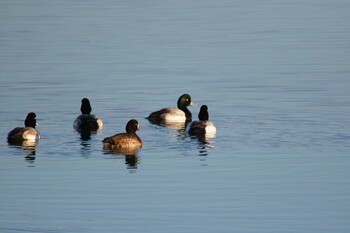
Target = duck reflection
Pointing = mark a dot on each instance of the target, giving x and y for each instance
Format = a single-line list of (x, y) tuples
[(86, 133), (131, 161), (120, 151), (203, 144), (131, 157), (204, 139), (31, 156), (28, 147), (85, 141)]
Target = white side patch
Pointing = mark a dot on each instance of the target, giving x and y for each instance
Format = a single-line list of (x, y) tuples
[(178, 116)]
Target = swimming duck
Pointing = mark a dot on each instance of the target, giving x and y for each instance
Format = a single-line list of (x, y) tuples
[(179, 114), (20, 134), (86, 120), (125, 141), (203, 126)]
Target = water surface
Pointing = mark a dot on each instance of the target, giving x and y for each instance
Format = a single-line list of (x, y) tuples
[(274, 75)]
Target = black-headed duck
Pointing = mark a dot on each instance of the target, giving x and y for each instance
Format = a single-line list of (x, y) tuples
[(203, 126), (87, 120), (20, 134)]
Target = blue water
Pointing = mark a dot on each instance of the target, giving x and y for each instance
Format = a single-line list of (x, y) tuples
[(275, 76)]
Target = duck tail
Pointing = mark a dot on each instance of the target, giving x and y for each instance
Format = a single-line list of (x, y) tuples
[(107, 140)]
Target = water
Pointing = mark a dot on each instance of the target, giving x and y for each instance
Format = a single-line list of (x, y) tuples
[(274, 75)]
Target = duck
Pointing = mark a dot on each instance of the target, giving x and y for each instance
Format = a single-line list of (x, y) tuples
[(179, 114), (87, 121), (202, 127), (21, 134), (125, 141)]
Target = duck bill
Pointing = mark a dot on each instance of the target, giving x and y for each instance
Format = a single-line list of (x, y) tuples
[(193, 104)]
